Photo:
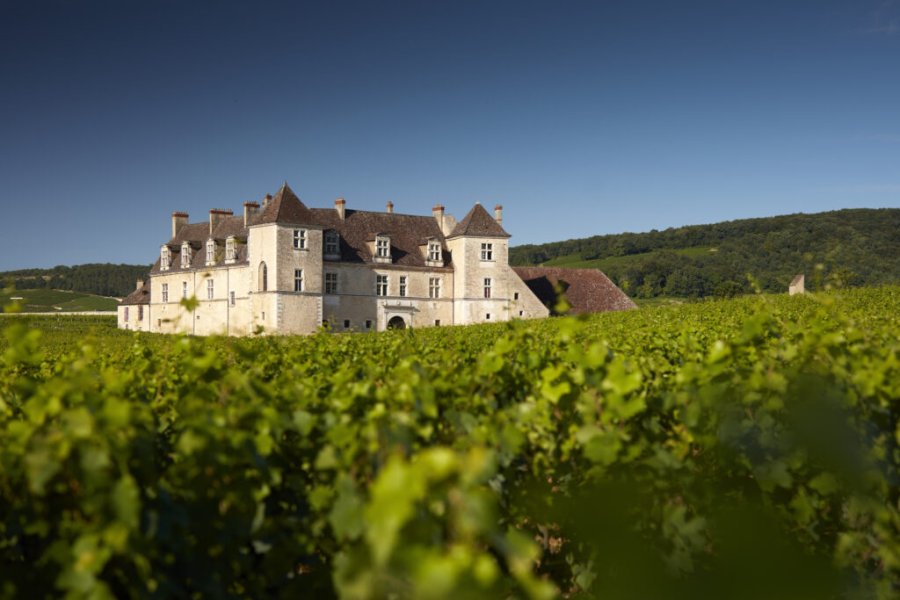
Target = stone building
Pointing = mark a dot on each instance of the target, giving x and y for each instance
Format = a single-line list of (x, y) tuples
[(285, 268)]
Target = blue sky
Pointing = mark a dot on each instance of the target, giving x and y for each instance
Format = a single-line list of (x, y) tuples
[(579, 117)]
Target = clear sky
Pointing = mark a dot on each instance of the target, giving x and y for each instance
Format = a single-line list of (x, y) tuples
[(579, 117)]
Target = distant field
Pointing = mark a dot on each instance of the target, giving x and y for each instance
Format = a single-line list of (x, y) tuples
[(575, 262), (54, 301)]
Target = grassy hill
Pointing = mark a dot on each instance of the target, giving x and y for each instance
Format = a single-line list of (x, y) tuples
[(53, 301), (846, 247)]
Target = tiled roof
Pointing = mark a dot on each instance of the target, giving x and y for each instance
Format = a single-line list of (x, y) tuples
[(285, 208), (138, 296), (357, 230), (478, 223), (587, 290), (196, 234)]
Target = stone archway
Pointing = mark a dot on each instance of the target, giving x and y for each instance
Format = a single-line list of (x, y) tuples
[(396, 323)]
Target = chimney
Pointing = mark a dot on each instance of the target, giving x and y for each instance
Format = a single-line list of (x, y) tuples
[(215, 214), (498, 214), (266, 200), (250, 210), (139, 284), (437, 211), (339, 205), (390, 207), (179, 220)]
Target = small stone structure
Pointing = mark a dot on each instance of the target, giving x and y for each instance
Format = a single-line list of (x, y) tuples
[(797, 285)]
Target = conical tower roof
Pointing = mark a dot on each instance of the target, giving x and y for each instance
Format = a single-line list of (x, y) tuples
[(478, 223), (286, 208)]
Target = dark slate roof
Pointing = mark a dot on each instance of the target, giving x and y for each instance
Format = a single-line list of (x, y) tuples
[(286, 208), (357, 230), (138, 296), (196, 234), (478, 223), (587, 290)]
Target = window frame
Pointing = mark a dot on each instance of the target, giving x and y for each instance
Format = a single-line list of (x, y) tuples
[(298, 280), (381, 285), (487, 251), (165, 293), (230, 250), (331, 282), (300, 239), (403, 285), (210, 254), (487, 287), (434, 287), (210, 289), (332, 244), (165, 258), (186, 255), (184, 290)]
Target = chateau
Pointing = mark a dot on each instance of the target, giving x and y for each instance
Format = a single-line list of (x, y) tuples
[(281, 267)]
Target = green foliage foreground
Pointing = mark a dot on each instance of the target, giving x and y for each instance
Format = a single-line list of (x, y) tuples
[(733, 449)]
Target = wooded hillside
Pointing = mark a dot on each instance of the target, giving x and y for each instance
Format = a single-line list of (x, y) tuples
[(100, 279), (847, 247)]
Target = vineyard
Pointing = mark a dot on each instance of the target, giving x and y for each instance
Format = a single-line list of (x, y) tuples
[(729, 449)]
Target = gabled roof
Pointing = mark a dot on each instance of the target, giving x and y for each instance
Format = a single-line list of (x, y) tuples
[(358, 228), (478, 223), (286, 208), (587, 290)]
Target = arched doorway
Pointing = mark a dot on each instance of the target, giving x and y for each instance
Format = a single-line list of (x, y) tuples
[(396, 323)]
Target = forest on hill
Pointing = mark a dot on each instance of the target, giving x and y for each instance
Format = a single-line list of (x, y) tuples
[(100, 279), (853, 247)]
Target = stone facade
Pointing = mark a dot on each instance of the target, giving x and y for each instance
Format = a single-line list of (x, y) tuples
[(284, 268)]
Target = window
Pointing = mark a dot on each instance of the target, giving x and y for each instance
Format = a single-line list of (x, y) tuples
[(263, 277), (165, 292), (368, 324), (516, 296), (126, 314), (300, 239), (487, 251), (487, 287), (210, 289), (140, 313), (331, 242), (434, 287), (165, 258), (521, 313), (434, 251), (382, 248), (211, 252), (487, 317), (437, 322), (346, 323), (298, 280), (186, 255), (229, 250), (184, 289), (381, 285), (231, 298), (403, 286), (331, 283)]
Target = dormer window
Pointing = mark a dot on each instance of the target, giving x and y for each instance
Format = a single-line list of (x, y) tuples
[(382, 248), (332, 244), (434, 251), (186, 255), (230, 250), (299, 239), (210, 252), (165, 258)]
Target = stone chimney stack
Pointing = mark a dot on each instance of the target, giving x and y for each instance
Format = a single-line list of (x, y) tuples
[(390, 207), (250, 211), (139, 284), (437, 212), (179, 220), (215, 215), (266, 200), (339, 206), (498, 214)]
